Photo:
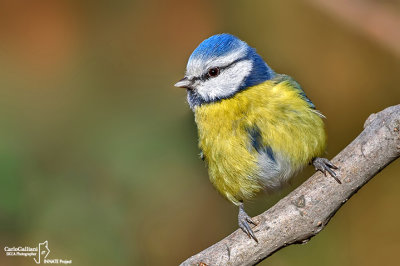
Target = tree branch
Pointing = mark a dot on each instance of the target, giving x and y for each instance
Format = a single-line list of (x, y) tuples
[(305, 212)]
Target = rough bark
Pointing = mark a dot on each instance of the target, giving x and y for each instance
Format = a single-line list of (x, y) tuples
[(306, 211)]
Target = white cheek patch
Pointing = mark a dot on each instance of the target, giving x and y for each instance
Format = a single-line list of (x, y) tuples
[(227, 83)]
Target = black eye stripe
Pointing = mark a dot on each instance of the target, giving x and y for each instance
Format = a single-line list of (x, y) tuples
[(205, 76), (231, 64)]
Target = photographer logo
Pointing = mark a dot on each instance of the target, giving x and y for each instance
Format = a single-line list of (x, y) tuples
[(39, 253)]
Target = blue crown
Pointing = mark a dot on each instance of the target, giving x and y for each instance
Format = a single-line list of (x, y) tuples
[(223, 44), (217, 45)]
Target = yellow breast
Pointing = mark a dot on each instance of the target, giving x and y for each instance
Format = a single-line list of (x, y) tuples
[(287, 124)]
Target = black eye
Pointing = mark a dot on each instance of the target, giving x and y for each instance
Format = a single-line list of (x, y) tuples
[(213, 72)]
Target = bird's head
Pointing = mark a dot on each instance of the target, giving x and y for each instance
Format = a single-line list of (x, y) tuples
[(221, 66)]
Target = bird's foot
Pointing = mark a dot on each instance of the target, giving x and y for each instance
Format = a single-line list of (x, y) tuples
[(244, 221), (324, 165)]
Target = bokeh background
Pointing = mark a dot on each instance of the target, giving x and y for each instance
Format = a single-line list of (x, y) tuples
[(98, 150)]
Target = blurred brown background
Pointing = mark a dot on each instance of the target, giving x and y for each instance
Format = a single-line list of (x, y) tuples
[(98, 150)]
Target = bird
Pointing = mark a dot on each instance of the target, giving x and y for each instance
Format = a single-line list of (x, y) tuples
[(256, 128)]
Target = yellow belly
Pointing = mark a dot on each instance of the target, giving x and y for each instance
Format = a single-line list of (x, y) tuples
[(288, 125)]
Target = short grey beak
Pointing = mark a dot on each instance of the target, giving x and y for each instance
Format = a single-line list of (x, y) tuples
[(184, 83)]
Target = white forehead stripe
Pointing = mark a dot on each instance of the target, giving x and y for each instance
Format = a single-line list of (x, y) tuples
[(197, 67)]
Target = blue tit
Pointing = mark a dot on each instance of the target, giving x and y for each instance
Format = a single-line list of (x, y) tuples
[(256, 128)]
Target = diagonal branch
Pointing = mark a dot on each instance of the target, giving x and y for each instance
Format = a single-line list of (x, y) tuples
[(305, 212)]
